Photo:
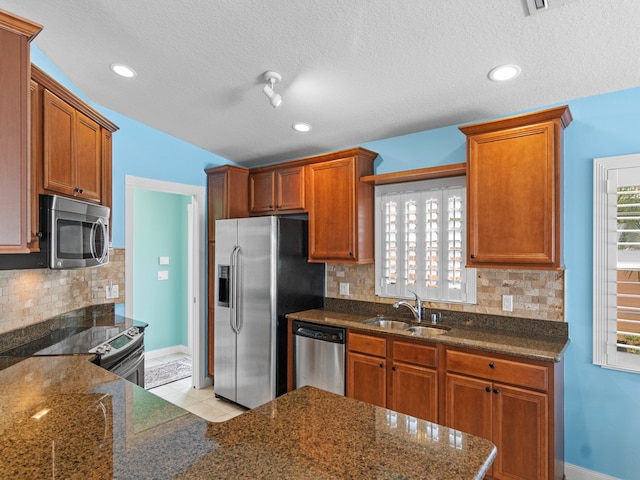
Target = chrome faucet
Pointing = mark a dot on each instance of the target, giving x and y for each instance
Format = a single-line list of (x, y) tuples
[(417, 310)]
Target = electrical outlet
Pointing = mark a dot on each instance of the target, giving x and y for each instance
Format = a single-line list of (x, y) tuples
[(507, 303), (344, 288), (163, 275), (111, 292)]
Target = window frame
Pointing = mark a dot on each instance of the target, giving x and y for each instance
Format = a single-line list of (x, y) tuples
[(468, 293), (609, 173)]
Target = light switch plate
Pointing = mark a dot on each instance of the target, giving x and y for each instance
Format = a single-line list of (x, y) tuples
[(163, 260), (163, 275), (507, 303)]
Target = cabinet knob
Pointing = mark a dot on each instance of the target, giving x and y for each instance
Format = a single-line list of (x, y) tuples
[(487, 389), (492, 365), (473, 255), (393, 368), (381, 365), (496, 391)]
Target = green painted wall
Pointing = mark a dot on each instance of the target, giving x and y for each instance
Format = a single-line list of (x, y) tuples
[(160, 230)]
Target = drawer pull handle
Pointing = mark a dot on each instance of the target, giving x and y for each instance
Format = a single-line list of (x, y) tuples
[(492, 365), (487, 389)]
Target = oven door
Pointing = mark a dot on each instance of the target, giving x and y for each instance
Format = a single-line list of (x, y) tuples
[(131, 367)]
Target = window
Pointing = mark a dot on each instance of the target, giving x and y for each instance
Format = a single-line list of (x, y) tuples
[(616, 262), (420, 241)]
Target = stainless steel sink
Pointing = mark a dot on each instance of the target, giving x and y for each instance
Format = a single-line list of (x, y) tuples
[(386, 323), (427, 331)]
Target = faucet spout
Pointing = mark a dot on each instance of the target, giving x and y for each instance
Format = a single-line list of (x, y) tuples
[(415, 310)]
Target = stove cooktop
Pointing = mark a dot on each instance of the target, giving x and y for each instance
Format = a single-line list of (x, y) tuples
[(65, 341)]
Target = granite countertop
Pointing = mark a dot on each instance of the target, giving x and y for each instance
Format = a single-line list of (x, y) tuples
[(532, 344), (64, 417)]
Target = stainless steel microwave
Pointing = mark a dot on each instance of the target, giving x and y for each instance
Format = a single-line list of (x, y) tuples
[(76, 233)]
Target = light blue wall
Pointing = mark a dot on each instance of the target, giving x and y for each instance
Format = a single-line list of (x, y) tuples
[(160, 230), (602, 416)]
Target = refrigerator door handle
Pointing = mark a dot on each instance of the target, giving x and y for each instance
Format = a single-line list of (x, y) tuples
[(233, 297)]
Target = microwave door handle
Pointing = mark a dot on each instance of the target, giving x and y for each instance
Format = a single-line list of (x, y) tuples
[(105, 243), (92, 240), (233, 299)]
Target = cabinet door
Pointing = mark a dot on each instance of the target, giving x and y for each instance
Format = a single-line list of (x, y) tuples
[(512, 180), (88, 158), (366, 379), (290, 189), (58, 122), (262, 192), (332, 227), (520, 433), (469, 407), (414, 391)]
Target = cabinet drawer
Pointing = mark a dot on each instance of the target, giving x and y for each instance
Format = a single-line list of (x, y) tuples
[(367, 344), (499, 370), (413, 353)]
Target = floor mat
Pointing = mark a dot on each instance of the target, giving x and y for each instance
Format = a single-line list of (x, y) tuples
[(167, 373)]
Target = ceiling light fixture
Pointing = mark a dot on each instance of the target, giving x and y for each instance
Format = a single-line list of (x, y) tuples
[(301, 127), (122, 70), (504, 73), (272, 78)]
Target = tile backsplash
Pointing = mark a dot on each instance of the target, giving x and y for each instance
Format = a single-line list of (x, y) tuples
[(537, 294), (31, 296)]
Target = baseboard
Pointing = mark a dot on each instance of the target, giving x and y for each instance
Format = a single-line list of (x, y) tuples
[(573, 472), (161, 352)]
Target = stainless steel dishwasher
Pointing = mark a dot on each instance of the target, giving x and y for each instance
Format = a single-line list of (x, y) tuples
[(319, 356)]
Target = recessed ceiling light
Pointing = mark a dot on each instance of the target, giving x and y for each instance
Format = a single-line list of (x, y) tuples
[(301, 127), (122, 70), (504, 72)]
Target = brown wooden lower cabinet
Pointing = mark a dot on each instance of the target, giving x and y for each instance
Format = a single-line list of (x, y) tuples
[(513, 405), (516, 403), (393, 374)]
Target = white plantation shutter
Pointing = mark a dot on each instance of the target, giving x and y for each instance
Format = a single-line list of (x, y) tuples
[(616, 276), (420, 241)]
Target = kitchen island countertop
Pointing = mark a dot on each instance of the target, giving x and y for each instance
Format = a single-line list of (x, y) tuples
[(66, 417)]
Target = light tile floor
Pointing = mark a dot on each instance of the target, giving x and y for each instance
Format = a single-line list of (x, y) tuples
[(199, 402)]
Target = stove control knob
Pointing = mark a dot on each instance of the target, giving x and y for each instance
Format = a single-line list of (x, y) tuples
[(132, 332)]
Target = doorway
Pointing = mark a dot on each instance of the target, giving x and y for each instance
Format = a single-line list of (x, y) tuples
[(190, 259)]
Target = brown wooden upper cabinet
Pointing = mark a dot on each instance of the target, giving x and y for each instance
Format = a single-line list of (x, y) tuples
[(514, 168), (15, 215), (274, 190), (340, 207), (71, 144), (72, 151)]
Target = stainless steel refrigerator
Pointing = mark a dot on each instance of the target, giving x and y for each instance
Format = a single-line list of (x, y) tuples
[(262, 274)]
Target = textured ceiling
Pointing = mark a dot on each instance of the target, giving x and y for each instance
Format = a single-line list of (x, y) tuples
[(356, 70)]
